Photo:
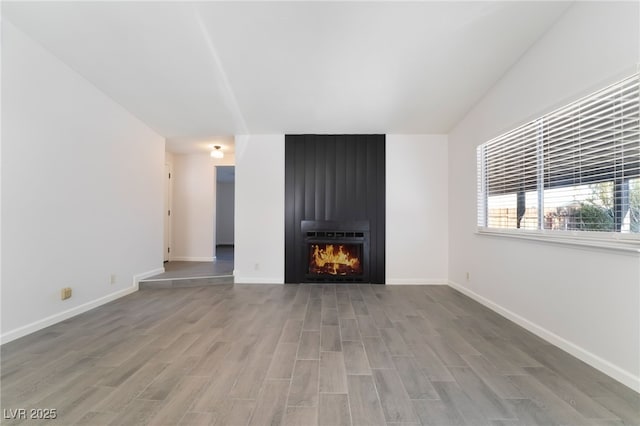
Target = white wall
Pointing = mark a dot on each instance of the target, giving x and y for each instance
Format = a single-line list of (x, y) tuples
[(82, 194), (193, 204), (259, 221), (417, 209), (585, 301), (193, 211), (225, 208)]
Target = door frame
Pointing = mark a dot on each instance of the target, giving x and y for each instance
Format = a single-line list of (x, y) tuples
[(168, 210)]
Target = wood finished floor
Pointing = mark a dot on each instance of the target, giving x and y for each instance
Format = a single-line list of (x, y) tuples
[(304, 355)]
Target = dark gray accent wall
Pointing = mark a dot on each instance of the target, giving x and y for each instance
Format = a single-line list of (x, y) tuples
[(334, 178)]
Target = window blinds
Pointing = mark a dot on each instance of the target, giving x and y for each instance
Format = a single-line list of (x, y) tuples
[(585, 152), (596, 139), (511, 161)]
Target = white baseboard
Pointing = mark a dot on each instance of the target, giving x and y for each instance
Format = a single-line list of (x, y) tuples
[(416, 281), (139, 277), (61, 316), (192, 259), (612, 370), (77, 310), (252, 280)]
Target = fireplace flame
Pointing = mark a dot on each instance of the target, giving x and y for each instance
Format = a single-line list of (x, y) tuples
[(330, 261)]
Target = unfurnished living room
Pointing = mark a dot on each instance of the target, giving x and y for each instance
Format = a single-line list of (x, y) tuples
[(407, 213)]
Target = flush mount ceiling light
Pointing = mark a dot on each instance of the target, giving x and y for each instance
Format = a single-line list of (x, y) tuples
[(217, 152)]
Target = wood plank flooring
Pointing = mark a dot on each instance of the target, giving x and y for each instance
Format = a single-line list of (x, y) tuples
[(303, 355)]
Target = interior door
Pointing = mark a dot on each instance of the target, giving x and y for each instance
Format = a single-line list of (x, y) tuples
[(167, 212)]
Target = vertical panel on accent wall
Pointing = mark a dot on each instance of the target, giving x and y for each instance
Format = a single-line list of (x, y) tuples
[(330, 178), (381, 207), (319, 182), (309, 178), (371, 191), (337, 178), (289, 207), (341, 180)]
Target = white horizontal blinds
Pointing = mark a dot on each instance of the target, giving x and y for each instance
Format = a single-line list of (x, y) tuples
[(591, 150), (595, 139), (576, 168), (481, 187), (511, 161)]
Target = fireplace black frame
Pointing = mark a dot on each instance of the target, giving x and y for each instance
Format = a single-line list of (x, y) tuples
[(335, 232)]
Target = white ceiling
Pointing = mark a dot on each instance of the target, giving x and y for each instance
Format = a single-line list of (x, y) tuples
[(187, 145), (198, 71)]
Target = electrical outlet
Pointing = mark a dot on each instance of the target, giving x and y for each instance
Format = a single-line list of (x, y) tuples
[(468, 276), (65, 293), (113, 279), (256, 267)]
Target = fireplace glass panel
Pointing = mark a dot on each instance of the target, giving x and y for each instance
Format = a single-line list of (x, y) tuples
[(335, 259)]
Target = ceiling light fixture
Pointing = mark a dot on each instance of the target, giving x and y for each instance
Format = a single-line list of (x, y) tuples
[(217, 153)]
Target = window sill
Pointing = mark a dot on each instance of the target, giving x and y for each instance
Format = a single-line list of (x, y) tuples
[(609, 243)]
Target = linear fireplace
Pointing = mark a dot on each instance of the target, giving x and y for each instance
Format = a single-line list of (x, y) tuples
[(335, 251)]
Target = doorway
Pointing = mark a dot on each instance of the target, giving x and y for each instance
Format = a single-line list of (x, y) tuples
[(167, 212), (225, 213)]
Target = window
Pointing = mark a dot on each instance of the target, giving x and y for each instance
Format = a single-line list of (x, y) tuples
[(574, 169)]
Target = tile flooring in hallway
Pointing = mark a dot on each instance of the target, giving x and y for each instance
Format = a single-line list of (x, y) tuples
[(303, 355), (221, 266)]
